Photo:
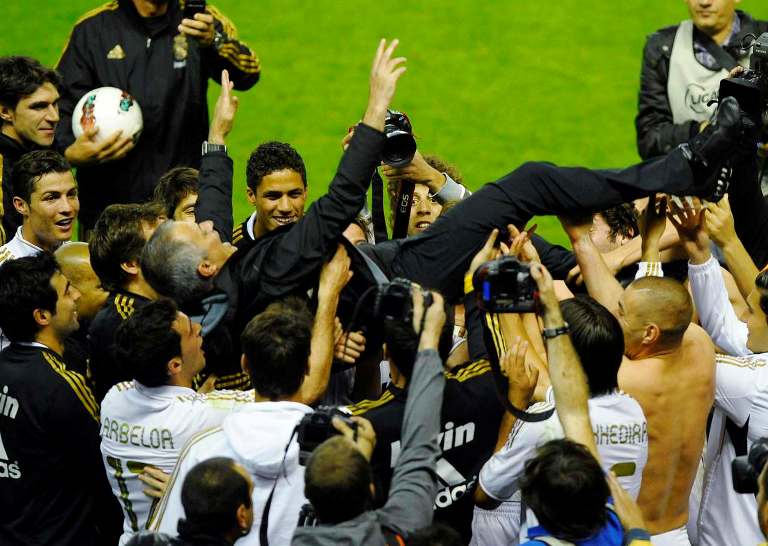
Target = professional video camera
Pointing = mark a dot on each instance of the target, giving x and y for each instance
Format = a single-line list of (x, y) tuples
[(400, 145), (505, 285), (747, 468), (315, 428), (750, 88)]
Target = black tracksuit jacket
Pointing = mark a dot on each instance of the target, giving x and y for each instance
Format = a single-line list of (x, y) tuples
[(168, 75)]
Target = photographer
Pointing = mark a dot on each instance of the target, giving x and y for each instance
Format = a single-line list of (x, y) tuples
[(339, 479)]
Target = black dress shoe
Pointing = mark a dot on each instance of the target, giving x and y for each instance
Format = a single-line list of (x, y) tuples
[(710, 152)]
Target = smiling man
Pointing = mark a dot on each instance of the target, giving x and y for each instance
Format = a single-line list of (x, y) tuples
[(45, 195), (277, 189), (29, 113)]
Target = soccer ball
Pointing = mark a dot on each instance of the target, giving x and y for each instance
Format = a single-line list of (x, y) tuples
[(110, 109)]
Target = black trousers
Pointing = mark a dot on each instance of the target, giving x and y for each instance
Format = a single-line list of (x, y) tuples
[(439, 257)]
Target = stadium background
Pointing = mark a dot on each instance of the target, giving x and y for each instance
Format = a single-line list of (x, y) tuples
[(489, 84)]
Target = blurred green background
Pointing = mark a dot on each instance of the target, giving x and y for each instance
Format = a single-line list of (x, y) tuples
[(489, 85)]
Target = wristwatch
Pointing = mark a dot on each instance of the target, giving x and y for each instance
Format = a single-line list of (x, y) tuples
[(549, 333), (208, 147)]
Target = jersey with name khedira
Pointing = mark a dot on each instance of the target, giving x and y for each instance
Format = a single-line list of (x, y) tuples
[(143, 426)]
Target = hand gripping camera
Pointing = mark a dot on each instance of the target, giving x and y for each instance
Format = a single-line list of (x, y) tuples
[(316, 427), (747, 468), (750, 88), (505, 285)]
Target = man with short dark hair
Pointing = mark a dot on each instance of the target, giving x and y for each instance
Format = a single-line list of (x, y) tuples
[(49, 448), (29, 114), (160, 348), (216, 496), (45, 195), (116, 243), (177, 191)]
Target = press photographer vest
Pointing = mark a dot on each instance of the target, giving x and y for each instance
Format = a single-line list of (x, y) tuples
[(690, 86)]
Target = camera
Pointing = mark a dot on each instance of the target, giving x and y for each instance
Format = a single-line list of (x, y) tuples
[(315, 428), (394, 302), (192, 7), (747, 468), (505, 285), (400, 146), (750, 88)]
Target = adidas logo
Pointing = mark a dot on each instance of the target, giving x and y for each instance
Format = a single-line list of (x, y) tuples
[(116, 53), (8, 470)]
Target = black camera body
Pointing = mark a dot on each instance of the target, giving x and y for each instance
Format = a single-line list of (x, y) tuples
[(394, 302), (315, 428), (746, 469), (192, 7), (750, 88), (505, 285), (400, 146)]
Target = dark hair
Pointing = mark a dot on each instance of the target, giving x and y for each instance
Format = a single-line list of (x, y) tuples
[(621, 220), (32, 166), (403, 343), (25, 285), (437, 534), (565, 487), (270, 157), (211, 494), (170, 266), (599, 341), (276, 344), (117, 237), (174, 186), (146, 342), (337, 481), (22, 76)]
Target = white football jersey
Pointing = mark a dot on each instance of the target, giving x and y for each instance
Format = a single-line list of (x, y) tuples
[(741, 393), (621, 434), (143, 426)]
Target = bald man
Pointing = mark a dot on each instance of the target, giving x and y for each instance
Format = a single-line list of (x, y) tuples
[(74, 260), (669, 368)]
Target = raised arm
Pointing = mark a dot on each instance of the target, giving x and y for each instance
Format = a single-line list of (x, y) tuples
[(333, 277), (600, 282), (566, 374), (307, 244), (413, 489)]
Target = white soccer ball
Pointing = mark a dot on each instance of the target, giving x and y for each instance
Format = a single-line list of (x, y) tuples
[(110, 109)]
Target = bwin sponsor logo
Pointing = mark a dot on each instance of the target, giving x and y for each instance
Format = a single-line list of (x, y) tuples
[(9, 406), (448, 439), (8, 469)]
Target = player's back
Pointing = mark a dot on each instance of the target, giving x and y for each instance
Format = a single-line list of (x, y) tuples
[(143, 426), (676, 392)]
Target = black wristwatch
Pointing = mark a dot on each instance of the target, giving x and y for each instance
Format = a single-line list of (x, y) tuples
[(549, 333), (208, 147)]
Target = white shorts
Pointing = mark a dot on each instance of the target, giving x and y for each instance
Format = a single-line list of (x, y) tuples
[(676, 537), (498, 526)]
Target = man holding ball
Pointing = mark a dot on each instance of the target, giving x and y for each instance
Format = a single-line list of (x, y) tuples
[(162, 53)]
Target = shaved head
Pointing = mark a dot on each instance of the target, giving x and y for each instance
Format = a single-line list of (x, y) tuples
[(74, 261), (660, 301)]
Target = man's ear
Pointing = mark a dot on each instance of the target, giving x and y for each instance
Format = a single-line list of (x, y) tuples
[(244, 365), (651, 334), (42, 316), (251, 195), (6, 114), (131, 267), (243, 520), (174, 366), (207, 269), (21, 206)]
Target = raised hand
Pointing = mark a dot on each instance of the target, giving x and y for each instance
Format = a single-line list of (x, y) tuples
[(385, 72), (224, 112), (718, 222), (521, 374), (652, 228), (688, 220), (487, 253), (335, 274), (521, 245)]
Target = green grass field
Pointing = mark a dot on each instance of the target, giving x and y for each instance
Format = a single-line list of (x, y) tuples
[(489, 84)]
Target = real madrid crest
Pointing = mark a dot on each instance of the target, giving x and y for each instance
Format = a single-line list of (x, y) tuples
[(180, 47)]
